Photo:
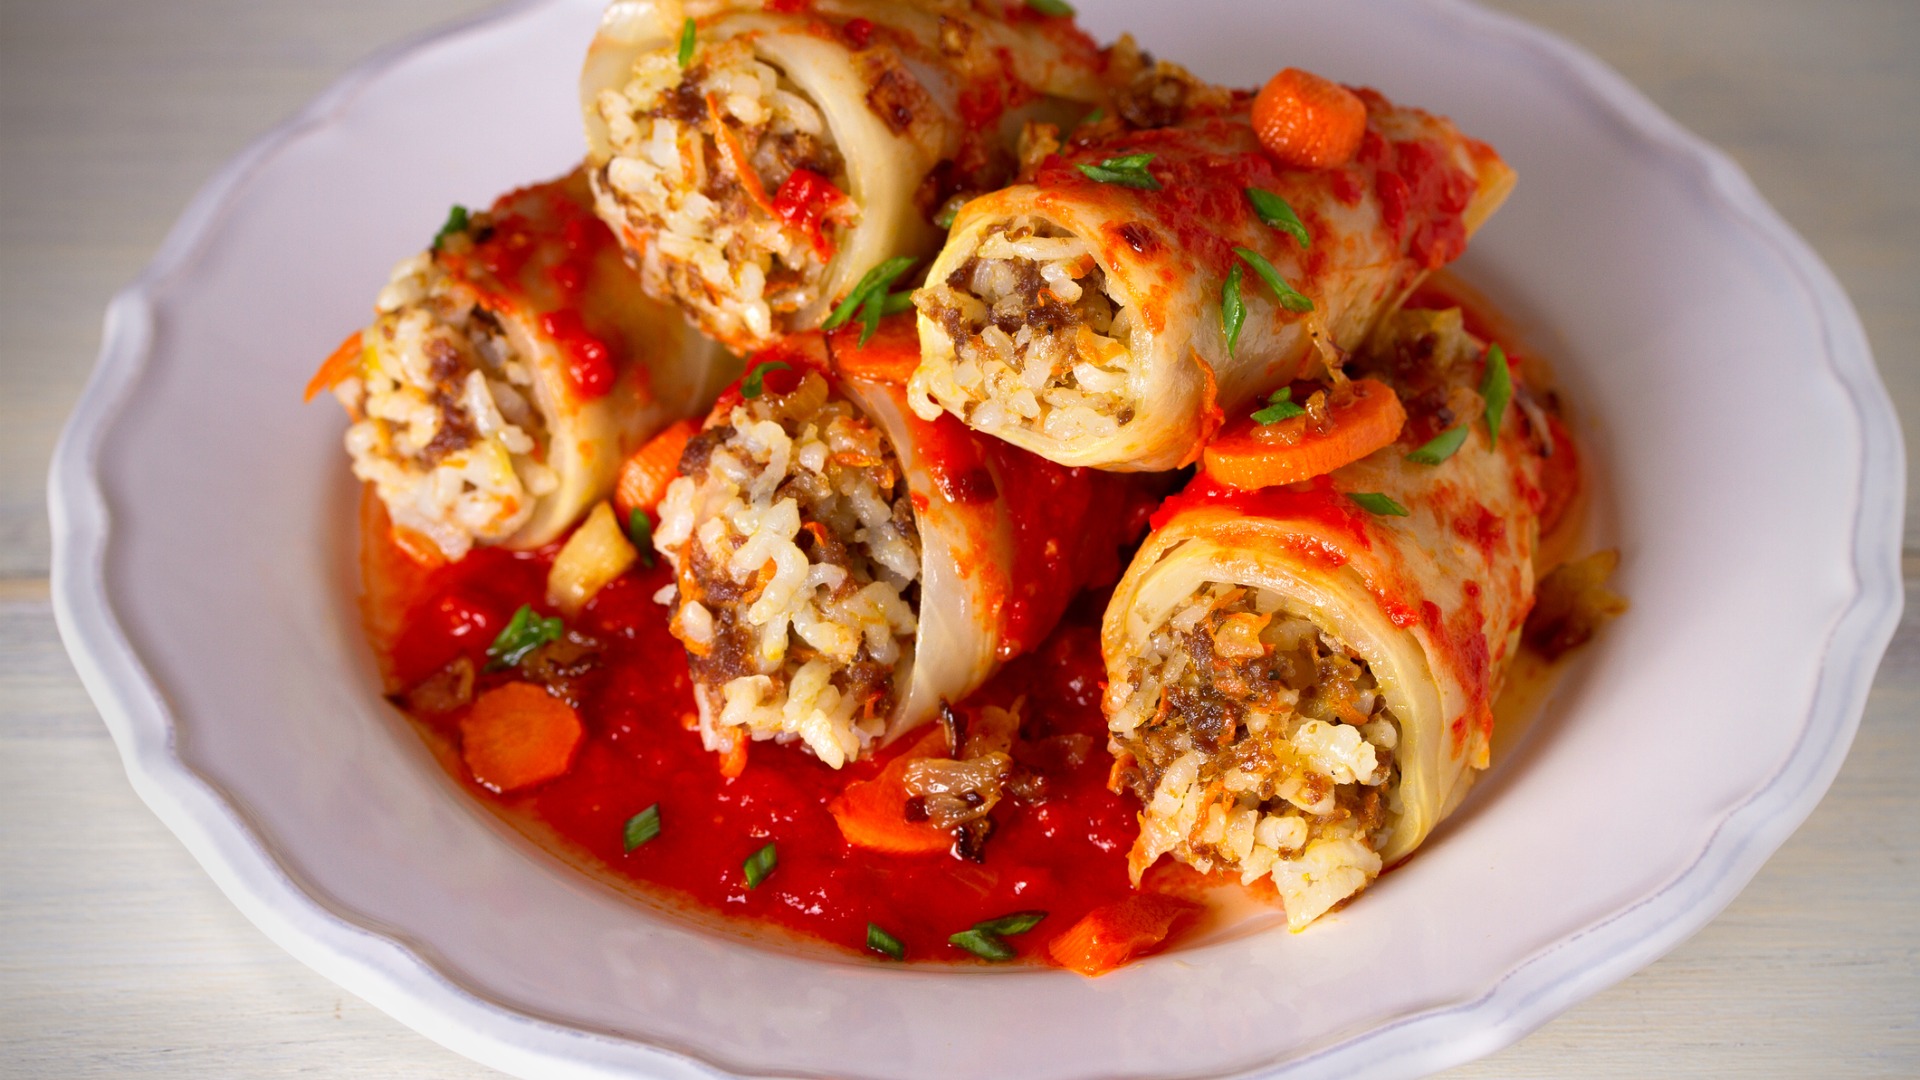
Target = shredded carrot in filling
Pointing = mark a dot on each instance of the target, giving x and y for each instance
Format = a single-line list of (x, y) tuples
[(696, 153)]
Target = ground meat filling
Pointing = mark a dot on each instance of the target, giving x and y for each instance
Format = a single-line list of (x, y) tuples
[(444, 424), (1258, 745), (699, 159), (1039, 344), (798, 567)]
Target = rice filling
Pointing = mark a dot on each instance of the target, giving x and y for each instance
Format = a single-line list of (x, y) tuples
[(1261, 746), (1039, 342), (797, 566), (444, 424), (699, 156)]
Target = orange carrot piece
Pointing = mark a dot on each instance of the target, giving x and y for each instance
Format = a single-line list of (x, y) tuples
[(888, 357), (644, 477), (344, 362), (734, 761), (1250, 455), (749, 180), (872, 814), (1308, 121), (517, 735), (1115, 934)]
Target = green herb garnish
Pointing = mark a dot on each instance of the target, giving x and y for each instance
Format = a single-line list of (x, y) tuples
[(870, 297), (524, 633), (457, 219), (640, 531), (759, 865), (896, 303), (984, 945), (1440, 447), (686, 42), (874, 282), (1290, 298), (946, 216), (643, 826), (1008, 925), (1059, 9), (885, 944), (1274, 211), (1233, 311), (988, 940), (1129, 171), (755, 383), (1375, 503), (1280, 407), (1098, 114), (1496, 386)]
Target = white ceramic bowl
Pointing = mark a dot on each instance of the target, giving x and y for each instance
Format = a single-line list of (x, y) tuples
[(1751, 476)]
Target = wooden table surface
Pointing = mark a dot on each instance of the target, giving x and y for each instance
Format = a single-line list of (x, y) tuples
[(120, 958)]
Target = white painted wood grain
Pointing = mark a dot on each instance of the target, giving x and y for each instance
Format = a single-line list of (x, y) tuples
[(120, 959)]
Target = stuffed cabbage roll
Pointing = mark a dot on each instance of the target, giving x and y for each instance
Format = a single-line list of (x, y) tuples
[(1301, 678), (844, 568), (508, 371), (758, 159), (1083, 313)]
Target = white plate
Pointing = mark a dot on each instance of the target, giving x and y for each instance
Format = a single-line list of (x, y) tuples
[(1752, 475)]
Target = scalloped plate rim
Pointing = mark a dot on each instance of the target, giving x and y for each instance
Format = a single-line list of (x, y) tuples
[(396, 979)]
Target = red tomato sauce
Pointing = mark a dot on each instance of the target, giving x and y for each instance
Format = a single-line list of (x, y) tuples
[(1063, 853)]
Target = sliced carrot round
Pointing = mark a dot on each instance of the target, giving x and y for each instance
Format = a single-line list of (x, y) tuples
[(1308, 121), (1113, 934), (1250, 455), (872, 814), (518, 735), (644, 477)]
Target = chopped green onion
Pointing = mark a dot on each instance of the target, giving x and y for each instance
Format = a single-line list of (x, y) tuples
[(884, 943), (984, 945), (686, 42), (1129, 171), (1008, 925), (1497, 387), (1094, 117), (456, 222), (640, 531), (988, 940), (1290, 299), (1233, 311), (946, 216), (1059, 9), (755, 383), (643, 826), (1440, 447), (1280, 407), (876, 282), (524, 633), (897, 303), (1375, 503), (1274, 211), (759, 865)]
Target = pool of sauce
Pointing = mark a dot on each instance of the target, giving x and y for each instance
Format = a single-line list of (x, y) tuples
[(1063, 853)]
